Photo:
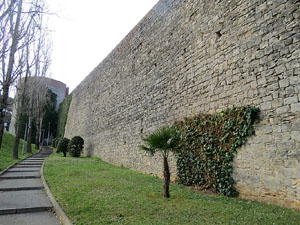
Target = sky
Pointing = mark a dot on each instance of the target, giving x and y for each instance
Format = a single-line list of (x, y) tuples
[(85, 32)]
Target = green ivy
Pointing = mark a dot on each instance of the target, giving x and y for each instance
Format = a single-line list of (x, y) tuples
[(208, 146), (62, 116)]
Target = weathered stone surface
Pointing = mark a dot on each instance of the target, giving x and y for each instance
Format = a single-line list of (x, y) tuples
[(187, 57)]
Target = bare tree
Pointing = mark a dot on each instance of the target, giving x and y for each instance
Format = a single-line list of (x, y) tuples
[(40, 100), (17, 20), (8, 51), (21, 106), (36, 90), (5, 8)]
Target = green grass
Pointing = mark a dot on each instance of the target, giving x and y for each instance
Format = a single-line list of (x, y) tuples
[(6, 151), (94, 192)]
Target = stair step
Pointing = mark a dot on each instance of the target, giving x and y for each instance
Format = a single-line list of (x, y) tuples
[(26, 166), (25, 210), (22, 171), (19, 177), (22, 189)]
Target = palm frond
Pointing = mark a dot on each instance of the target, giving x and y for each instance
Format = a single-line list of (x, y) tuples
[(164, 138)]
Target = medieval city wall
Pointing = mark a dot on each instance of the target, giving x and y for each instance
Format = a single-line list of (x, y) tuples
[(192, 56)]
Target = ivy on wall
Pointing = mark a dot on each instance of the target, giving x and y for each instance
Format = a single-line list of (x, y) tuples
[(208, 146), (62, 116)]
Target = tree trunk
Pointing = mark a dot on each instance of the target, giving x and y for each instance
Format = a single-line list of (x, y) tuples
[(29, 134), (17, 138), (166, 177), (37, 136), (8, 77), (19, 113), (3, 105), (65, 154)]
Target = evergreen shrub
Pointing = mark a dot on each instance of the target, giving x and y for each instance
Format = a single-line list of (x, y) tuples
[(63, 146), (75, 146)]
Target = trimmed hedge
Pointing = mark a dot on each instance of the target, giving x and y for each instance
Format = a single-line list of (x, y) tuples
[(63, 146), (208, 146), (75, 146)]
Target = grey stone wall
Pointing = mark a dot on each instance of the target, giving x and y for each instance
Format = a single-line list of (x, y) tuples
[(193, 56)]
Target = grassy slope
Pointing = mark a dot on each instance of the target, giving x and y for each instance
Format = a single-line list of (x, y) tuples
[(94, 192), (6, 151)]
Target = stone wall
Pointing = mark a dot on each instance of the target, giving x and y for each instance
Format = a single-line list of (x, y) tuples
[(193, 56)]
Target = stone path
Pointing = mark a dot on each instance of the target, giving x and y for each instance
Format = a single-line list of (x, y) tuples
[(22, 197)]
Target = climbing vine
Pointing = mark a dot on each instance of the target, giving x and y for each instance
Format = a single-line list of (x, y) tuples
[(208, 146)]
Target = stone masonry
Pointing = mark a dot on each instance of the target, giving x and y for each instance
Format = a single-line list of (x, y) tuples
[(192, 56)]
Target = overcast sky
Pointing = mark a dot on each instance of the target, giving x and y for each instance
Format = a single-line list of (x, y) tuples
[(85, 32)]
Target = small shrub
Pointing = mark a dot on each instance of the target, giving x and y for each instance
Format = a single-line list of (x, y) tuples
[(63, 146), (75, 146)]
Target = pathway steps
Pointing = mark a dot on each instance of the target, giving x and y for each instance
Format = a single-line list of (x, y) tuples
[(22, 196)]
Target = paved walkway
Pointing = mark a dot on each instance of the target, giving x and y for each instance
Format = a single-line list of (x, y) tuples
[(22, 197)]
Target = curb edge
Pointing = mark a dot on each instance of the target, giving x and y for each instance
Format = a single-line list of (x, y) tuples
[(64, 219)]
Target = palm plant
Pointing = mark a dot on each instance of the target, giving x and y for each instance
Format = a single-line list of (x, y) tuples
[(164, 140)]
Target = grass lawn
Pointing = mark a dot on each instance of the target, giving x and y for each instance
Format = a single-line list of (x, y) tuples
[(94, 192), (6, 151)]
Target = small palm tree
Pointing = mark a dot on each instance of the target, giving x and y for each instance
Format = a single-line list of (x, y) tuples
[(163, 140)]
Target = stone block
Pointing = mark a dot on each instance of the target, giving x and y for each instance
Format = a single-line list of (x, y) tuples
[(295, 107), (277, 102), (295, 135), (282, 110), (276, 128), (266, 105), (284, 83), (268, 129), (291, 163), (291, 100)]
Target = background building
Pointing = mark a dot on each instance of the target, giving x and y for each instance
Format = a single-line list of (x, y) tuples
[(57, 87)]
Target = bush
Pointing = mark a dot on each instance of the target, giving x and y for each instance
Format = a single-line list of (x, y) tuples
[(63, 146), (75, 146)]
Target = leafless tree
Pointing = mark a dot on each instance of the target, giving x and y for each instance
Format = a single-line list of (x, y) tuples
[(34, 89), (41, 98), (17, 20)]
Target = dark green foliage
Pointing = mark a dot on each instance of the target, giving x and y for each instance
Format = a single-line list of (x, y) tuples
[(62, 115), (75, 146), (55, 142), (163, 140), (50, 115), (63, 146), (208, 146)]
